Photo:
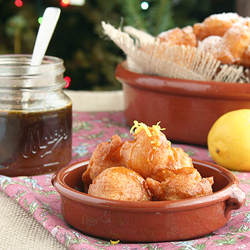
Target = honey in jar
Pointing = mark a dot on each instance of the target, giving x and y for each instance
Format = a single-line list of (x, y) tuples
[(35, 116)]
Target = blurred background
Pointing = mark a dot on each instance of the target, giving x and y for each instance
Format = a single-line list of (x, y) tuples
[(89, 57)]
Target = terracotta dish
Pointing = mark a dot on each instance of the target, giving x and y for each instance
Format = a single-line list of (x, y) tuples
[(148, 221), (186, 108)]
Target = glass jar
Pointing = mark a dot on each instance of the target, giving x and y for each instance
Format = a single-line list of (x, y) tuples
[(35, 116)]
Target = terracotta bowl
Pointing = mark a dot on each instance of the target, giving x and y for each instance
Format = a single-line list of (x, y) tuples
[(150, 221), (186, 108)]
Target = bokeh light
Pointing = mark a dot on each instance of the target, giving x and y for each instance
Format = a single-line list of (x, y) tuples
[(40, 19), (67, 79), (19, 3), (144, 5), (65, 3), (77, 2)]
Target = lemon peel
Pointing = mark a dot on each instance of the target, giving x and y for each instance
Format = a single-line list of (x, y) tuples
[(114, 242), (139, 126), (155, 129)]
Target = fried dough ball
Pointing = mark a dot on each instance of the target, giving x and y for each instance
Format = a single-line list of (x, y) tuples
[(182, 159), (149, 153), (218, 48), (117, 170), (119, 183), (237, 40), (245, 59), (209, 43), (105, 155), (230, 48), (180, 184), (216, 25), (179, 36)]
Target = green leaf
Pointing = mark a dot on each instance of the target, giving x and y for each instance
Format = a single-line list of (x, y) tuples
[(200, 246), (226, 241)]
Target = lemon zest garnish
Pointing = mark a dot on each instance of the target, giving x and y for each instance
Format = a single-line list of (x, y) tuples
[(114, 242), (157, 127), (139, 126)]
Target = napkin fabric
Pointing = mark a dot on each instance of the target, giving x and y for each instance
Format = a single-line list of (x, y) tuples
[(39, 199)]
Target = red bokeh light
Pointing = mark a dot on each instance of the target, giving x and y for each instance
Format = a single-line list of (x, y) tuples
[(19, 3), (67, 79), (65, 3)]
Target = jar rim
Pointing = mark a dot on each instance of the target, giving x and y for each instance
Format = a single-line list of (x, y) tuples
[(17, 73), (18, 65)]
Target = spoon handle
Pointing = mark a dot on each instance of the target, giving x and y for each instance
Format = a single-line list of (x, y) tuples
[(46, 29)]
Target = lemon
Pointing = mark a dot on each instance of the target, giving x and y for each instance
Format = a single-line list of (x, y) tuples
[(229, 140)]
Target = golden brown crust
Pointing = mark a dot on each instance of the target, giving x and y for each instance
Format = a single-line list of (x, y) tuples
[(131, 170), (119, 183), (105, 155), (245, 59), (229, 48), (179, 36), (148, 155), (181, 184), (215, 25), (226, 36)]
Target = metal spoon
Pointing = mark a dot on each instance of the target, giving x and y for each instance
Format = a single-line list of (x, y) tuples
[(45, 32)]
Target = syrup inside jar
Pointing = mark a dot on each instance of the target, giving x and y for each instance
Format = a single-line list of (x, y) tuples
[(35, 116)]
